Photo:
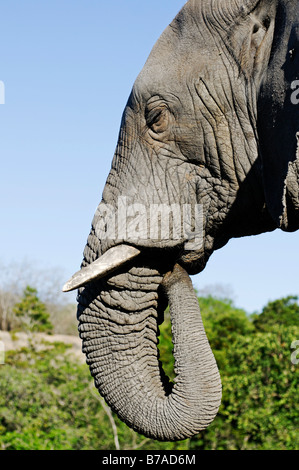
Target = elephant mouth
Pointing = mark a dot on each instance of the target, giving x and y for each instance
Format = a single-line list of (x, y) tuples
[(122, 299), (120, 255), (103, 266)]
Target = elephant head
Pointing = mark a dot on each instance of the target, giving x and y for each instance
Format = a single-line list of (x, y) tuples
[(207, 151)]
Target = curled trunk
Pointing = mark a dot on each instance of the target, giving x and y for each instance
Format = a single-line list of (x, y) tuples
[(118, 323)]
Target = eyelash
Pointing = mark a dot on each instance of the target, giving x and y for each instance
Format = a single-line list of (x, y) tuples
[(153, 117)]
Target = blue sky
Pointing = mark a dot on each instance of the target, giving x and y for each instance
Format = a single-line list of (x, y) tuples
[(68, 67)]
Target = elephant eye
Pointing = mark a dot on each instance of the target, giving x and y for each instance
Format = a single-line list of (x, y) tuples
[(266, 23), (157, 118)]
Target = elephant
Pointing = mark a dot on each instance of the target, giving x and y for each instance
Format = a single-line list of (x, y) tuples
[(210, 132)]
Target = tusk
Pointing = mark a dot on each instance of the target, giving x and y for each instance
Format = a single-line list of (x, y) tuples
[(108, 262)]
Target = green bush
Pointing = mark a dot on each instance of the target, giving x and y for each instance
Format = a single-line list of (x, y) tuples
[(48, 402), (259, 409)]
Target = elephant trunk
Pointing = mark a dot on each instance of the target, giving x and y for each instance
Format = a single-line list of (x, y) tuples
[(118, 323)]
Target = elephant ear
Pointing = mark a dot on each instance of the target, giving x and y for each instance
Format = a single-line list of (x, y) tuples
[(278, 122)]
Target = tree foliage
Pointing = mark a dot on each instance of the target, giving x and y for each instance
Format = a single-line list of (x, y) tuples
[(284, 312), (32, 312), (260, 383), (14, 277)]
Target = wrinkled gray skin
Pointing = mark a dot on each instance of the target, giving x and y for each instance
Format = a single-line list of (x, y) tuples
[(209, 121)]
